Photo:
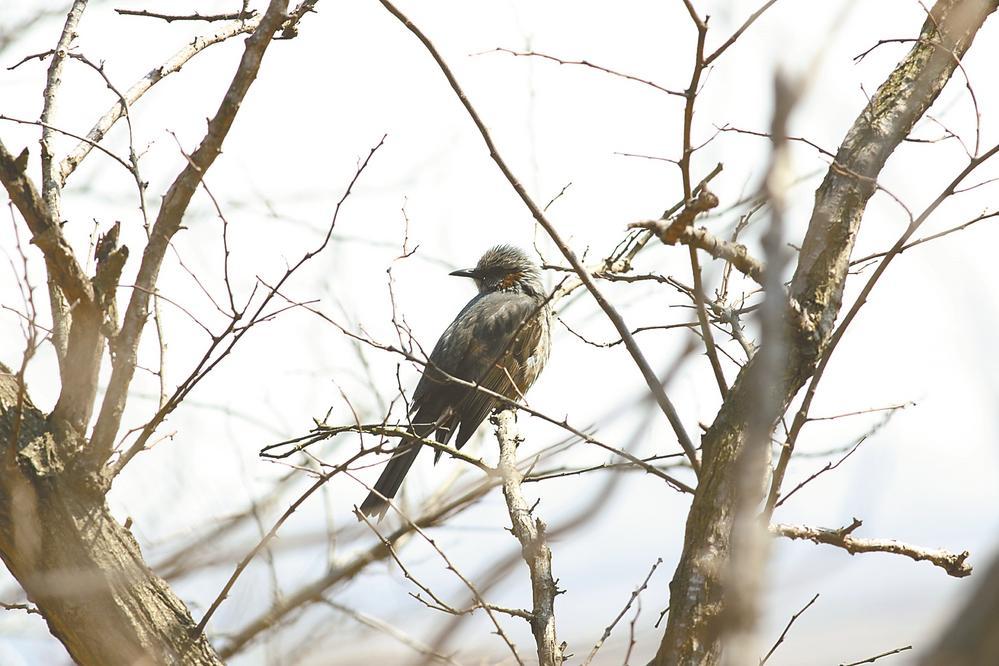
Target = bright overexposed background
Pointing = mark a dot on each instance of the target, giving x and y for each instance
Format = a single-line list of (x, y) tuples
[(324, 99)]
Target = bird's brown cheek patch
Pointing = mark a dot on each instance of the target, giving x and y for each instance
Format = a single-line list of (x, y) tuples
[(510, 280)]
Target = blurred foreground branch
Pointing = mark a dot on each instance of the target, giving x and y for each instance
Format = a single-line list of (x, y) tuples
[(696, 616), (972, 637)]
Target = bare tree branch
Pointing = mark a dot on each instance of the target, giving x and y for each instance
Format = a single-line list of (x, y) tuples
[(46, 234), (738, 33), (167, 223), (315, 591), (223, 344), (138, 89), (955, 564), (735, 253), (208, 18), (530, 532), (704, 201), (50, 181), (380, 625), (816, 290), (610, 627), (615, 317), (27, 608), (801, 417), (871, 660), (590, 65), (783, 634)]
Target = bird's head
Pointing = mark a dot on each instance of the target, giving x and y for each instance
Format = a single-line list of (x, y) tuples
[(505, 268)]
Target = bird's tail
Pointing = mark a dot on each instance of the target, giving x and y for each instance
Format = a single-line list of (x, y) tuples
[(385, 488)]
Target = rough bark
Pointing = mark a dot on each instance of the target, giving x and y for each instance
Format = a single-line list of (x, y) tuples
[(81, 567), (696, 618)]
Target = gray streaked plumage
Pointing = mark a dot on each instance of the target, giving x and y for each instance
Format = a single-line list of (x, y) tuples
[(500, 340)]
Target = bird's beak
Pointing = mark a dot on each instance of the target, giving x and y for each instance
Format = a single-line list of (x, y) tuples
[(465, 272)]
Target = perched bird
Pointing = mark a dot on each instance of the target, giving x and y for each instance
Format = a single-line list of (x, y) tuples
[(499, 340)]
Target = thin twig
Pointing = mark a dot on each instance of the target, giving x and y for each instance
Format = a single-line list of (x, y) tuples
[(168, 222), (871, 660), (738, 33), (170, 18), (390, 630), (783, 634), (323, 432), (926, 239), (266, 539), (586, 63), (609, 628), (315, 591), (172, 65), (480, 601)]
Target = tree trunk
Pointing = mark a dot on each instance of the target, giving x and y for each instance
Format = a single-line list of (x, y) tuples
[(697, 623), (80, 566)]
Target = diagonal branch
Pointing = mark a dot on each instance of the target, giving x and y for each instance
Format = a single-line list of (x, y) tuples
[(787, 627), (168, 222), (801, 417), (249, 23), (238, 326), (316, 590), (610, 627), (142, 86), (738, 33), (615, 317), (45, 231), (587, 63)]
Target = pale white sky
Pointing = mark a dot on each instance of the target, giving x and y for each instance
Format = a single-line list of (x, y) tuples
[(324, 99)]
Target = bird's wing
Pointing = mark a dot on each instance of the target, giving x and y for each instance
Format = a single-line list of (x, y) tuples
[(487, 343), (497, 356), (434, 393)]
